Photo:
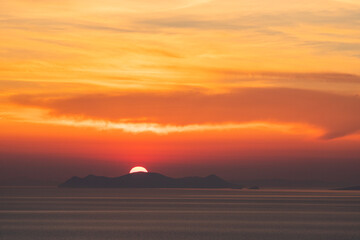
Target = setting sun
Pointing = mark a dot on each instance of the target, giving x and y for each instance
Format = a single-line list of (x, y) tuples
[(138, 169)]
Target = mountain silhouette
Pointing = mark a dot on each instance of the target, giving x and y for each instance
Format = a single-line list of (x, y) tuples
[(147, 180)]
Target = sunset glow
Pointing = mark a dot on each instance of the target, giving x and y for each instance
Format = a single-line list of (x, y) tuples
[(262, 84)]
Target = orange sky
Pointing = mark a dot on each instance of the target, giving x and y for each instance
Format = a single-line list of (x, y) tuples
[(244, 89)]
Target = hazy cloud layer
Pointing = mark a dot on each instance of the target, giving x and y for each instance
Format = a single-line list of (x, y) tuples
[(338, 115)]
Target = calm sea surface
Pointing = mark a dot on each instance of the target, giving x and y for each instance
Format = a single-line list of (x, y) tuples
[(101, 214)]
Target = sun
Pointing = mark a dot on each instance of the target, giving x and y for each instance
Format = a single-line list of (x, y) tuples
[(138, 169)]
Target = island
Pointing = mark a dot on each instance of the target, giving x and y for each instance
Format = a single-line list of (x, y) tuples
[(147, 180)]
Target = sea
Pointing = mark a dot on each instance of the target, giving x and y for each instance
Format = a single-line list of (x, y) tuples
[(46, 213)]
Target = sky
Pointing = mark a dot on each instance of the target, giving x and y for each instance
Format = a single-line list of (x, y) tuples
[(256, 89)]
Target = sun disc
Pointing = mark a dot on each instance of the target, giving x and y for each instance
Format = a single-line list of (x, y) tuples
[(138, 169)]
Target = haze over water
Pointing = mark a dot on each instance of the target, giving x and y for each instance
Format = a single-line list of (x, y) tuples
[(92, 214)]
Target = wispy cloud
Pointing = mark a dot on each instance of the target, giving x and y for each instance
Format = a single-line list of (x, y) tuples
[(58, 25), (162, 129)]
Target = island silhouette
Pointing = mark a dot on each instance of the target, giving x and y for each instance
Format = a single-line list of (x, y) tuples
[(147, 180)]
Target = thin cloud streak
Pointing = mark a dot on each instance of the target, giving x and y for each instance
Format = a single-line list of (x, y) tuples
[(161, 129)]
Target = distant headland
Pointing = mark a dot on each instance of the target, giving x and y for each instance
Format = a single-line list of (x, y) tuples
[(352, 188), (147, 180)]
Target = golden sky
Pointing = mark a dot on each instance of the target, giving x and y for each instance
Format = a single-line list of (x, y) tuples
[(155, 81)]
